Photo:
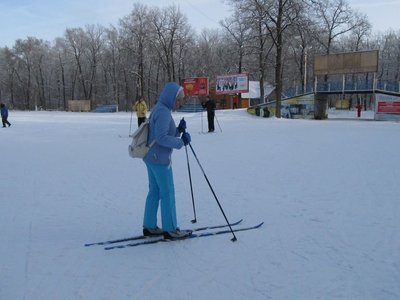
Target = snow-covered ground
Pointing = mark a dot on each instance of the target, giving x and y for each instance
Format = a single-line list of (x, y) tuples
[(328, 192)]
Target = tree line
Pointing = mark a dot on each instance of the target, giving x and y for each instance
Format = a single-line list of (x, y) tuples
[(274, 41)]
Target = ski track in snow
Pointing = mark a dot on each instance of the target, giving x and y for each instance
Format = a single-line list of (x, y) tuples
[(327, 190)]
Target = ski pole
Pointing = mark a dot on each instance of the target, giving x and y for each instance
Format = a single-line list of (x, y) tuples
[(130, 123), (215, 115), (215, 196), (191, 186), (202, 130)]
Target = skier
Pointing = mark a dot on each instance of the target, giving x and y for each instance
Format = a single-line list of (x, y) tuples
[(4, 115), (158, 162), (141, 110), (210, 106)]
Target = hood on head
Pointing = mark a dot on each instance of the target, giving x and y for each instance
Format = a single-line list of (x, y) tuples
[(168, 94)]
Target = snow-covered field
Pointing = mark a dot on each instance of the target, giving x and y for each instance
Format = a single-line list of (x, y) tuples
[(328, 192)]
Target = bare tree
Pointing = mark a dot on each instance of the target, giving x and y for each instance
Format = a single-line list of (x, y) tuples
[(280, 16), (360, 33), (333, 18), (7, 71), (238, 31), (269, 21), (23, 71), (169, 27), (301, 43), (76, 42), (207, 59), (389, 45), (111, 62), (270, 39), (253, 14), (95, 42), (238, 35), (60, 50), (135, 39)]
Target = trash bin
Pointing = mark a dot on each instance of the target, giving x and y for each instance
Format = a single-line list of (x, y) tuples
[(257, 111), (266, 112)]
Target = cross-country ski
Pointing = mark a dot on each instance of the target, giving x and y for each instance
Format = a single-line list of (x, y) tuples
[(141, 237), (192, 236)]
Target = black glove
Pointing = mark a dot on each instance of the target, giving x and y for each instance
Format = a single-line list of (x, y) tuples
[(182, 126), (186, 138)]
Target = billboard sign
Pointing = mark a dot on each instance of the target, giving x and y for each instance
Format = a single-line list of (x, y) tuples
[(197, 86), (232, 84), (347, 63), (387, 104)]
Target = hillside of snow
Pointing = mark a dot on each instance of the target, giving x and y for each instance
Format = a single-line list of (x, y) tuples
[(328, 192)]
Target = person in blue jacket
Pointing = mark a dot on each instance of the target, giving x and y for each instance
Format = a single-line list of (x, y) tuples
[(158, 162), (4, 115)]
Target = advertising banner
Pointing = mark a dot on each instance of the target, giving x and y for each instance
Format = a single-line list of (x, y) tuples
[(197, 86), (232, 84), (347, 63), (387, 104), (389, 107), (301, 107)]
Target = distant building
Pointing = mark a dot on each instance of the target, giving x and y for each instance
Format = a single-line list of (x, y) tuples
[(253, 96), (79, 105)]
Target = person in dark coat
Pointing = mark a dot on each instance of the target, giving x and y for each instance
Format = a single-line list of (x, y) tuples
[(4, 115), (210, 106)]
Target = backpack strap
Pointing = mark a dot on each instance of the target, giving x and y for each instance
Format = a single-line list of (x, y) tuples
[(148, 133), (152, 143)]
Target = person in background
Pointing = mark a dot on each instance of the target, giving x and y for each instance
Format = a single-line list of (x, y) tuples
[(235, 100), (210, 106), (266, 112), (141, 110), (4, 115), (359, 108), (158, 162)]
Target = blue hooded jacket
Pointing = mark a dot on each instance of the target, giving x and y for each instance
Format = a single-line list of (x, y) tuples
[(163, 128)]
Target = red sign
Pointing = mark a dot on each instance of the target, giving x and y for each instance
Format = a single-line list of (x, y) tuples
[(197, 86), (389, 107)]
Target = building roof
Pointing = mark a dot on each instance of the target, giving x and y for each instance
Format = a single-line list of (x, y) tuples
[(254, 90)]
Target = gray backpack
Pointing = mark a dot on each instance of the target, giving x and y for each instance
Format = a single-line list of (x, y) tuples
[(139, 147)]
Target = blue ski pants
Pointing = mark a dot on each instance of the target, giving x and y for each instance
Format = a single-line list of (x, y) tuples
[(161, 188)]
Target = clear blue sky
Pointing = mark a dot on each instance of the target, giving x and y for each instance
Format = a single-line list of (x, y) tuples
[(48, 19)]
